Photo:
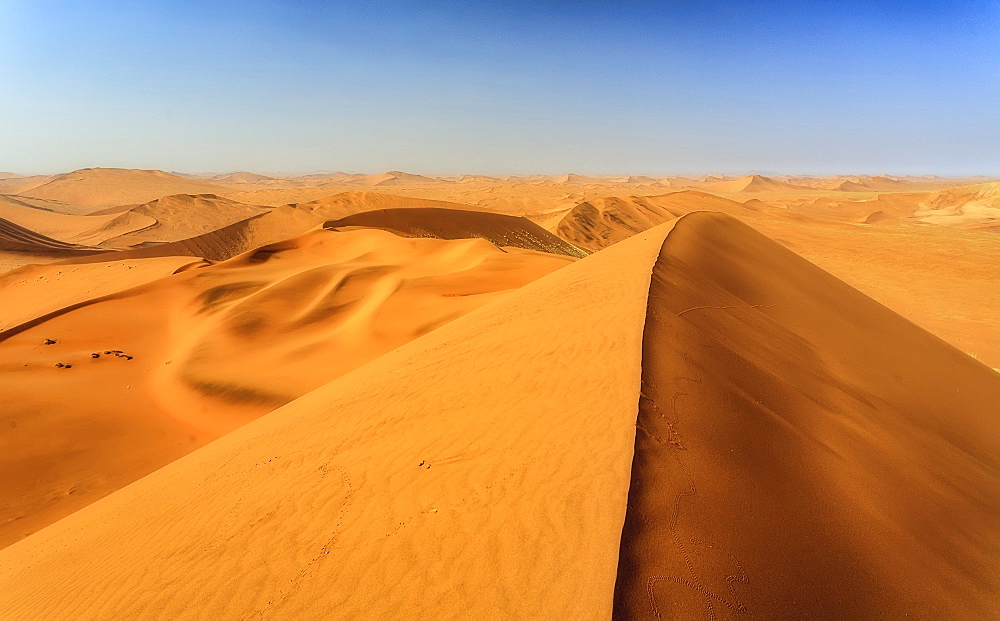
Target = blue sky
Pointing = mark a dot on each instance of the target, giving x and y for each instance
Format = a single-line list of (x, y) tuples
[(502, 87)]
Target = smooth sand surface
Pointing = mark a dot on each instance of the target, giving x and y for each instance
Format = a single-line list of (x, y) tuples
[(181, 216), (196, 354), (116, 186), (466, 474), (802, 451)]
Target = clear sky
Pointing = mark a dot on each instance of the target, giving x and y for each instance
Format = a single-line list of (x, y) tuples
[(435, 87)]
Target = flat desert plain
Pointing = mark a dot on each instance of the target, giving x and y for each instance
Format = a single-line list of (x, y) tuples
[(400, 396)]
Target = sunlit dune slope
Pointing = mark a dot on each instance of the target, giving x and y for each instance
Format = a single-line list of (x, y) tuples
[(344, 204), (181, 216), (753, 183), (32, 291), (226, 242), (196, 354), (596, 224), (70, 228), (500, 229), (479, 471), (116, 186), (969, 205), (776, 444), (801, 451)]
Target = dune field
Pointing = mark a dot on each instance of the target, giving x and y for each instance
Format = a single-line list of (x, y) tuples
[(346, 395)]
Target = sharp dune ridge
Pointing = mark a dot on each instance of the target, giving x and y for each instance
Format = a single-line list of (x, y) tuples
[(744, 436)]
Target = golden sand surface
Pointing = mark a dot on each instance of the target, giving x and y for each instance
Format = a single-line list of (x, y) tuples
[(395, 395)]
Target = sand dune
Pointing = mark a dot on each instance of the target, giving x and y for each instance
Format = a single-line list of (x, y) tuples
[(512, 455), (115, 186), (801, 450), (971, 205), (794, 456), (79, 229), (36, 290), (596, 224), (180, 216), (206, 350), (14, 238), (752, 183), (393, 177), (242, 177), (879, 183), (346, 203), (504, 231), (224, 243)]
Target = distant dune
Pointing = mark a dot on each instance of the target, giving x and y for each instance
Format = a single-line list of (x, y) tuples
[(776, 444), (970, 205), (228, 241), (180, 216), (115, 186), (753, 183), (502, 230), (880, 183), (393, 177), (347, 203), (596, 224), (14, 238)]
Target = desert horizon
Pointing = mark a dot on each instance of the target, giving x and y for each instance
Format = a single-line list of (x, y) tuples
[(406, 382)]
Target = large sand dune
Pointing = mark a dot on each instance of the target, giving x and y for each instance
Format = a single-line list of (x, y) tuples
[(599, 223), (500, 229), (802, 451), (116, 186), (198, 353), (15, 238), (177, 217), (799, 452)]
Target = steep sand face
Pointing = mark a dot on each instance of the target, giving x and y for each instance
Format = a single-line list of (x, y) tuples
[(158, 370), (499, 229), (801, 451), (480, 471), (116, 186)]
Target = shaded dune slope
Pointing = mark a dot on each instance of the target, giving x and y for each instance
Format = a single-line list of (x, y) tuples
[(499, 229), (802, 451)]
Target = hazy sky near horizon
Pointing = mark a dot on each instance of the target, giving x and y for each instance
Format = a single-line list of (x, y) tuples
[(548, 87)]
